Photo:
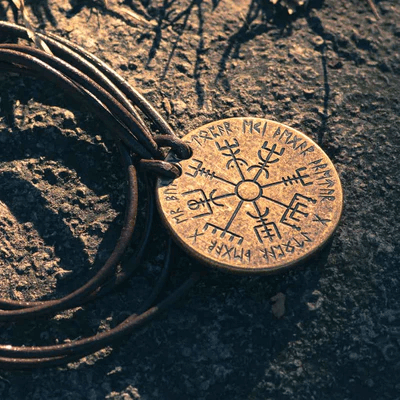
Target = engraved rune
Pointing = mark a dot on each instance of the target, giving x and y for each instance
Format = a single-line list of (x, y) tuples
[(195, 235), (322, 221)]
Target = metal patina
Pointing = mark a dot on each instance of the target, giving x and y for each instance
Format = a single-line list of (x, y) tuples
[(256, 196)]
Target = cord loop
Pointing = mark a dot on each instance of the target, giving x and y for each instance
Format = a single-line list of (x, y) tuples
[(119, 106), (165, 168), (178, 146)]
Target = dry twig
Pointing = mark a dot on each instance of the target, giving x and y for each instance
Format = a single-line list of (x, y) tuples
[(374, 9)]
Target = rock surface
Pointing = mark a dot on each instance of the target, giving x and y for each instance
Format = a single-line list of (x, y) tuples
[(333, 73)]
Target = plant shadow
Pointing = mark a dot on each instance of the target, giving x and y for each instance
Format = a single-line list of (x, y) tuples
[(261, 17), (39, 8)]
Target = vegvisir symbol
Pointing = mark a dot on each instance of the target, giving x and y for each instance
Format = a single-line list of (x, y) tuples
[(250, 188), (255, 196)]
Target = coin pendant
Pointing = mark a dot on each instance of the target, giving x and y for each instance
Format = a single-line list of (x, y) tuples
[(256, 196)]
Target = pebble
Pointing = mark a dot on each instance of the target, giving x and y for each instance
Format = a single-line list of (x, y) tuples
[(167, 106), (278, 308), (317, 41), (308, 92), (180, 107)]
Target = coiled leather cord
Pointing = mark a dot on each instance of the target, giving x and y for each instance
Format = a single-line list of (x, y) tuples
[(89, 80)]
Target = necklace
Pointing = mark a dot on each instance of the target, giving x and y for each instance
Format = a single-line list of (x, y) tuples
[(243, 194)]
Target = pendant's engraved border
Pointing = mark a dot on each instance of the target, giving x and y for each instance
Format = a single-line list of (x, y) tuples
[(231, 177)]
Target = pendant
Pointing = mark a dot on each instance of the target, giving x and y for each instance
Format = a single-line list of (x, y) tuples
[(256, 196)]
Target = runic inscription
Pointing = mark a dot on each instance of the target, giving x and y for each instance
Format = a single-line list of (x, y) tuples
[(255, 196)]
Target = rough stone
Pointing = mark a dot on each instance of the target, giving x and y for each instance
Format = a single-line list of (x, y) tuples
[(331, 72)]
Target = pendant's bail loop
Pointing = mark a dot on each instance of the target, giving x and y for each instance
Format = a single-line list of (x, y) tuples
[(178, 146), (166, 168)]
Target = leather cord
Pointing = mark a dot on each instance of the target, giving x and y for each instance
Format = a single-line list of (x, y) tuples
[(90, 81)]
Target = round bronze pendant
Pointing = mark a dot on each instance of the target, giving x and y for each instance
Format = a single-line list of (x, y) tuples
[(256, 196)]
